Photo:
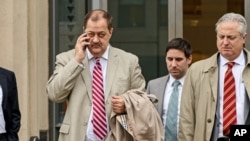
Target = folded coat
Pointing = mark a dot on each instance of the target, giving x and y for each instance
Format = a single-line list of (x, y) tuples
[(141, 121)]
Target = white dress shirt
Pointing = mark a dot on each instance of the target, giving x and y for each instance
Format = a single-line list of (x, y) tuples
[(242, 107), (2, 121), (168, 92)]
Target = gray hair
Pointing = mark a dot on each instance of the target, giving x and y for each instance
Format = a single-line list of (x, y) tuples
[(231, 17)]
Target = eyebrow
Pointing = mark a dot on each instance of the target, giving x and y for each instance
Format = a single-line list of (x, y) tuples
[(237, 34), (95, 32)]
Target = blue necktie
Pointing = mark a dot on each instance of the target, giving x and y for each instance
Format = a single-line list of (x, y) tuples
[(172, 113)]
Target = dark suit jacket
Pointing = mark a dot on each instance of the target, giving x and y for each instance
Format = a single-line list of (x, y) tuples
[(12, 115)]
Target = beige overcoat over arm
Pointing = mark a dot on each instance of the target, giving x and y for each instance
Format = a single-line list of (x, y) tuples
[(141, 122)]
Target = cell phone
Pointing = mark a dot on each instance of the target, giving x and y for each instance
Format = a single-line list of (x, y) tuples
[(86, 40)]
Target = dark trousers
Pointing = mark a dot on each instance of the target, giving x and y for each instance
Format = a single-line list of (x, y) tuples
[(223, 139), (3, 137)]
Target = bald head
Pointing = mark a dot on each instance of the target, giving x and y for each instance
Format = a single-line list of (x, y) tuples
[(96, 15)]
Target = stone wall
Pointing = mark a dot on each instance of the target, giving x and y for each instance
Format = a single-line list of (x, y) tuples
[(24, 44)]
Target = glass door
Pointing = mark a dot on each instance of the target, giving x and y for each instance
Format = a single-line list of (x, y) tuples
[(199, 18), (141, 27), (66, 22)]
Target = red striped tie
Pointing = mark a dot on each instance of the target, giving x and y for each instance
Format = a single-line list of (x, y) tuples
[(229, 103), (99, 116)]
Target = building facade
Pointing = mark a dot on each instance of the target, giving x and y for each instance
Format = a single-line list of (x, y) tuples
[(33, 31)]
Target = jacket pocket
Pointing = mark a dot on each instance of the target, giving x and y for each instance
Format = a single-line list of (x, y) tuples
[(64, 128)]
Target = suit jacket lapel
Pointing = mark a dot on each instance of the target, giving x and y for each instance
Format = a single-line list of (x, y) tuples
[(86, 76), (111, 71), (213, 70), (214, 79), (163, 85)]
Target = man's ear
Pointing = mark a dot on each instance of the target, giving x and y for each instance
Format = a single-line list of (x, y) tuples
[(190, 59), (111, 31)]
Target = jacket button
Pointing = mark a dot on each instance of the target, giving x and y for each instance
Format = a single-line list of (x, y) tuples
[(209, 120), (85, 123)]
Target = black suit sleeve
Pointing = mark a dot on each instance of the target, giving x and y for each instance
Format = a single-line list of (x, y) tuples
[(10, 106), (15, 114)]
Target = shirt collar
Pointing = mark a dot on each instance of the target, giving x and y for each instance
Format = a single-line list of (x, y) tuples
[(172, 79), (240, 60)]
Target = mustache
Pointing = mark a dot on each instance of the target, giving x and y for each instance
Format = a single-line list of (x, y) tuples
[(96, 44)]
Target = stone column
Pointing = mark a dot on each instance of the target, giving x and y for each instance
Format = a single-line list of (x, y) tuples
[(24, 43)]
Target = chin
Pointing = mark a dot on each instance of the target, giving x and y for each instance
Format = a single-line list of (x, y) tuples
[(226, 54), (176, 76)]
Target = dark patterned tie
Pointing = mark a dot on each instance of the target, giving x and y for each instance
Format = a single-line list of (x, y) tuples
[(99, 115), (229, 102)]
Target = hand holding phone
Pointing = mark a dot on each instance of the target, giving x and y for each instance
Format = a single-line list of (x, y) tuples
[(82, 43)]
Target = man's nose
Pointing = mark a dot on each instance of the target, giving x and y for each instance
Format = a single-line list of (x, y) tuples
[(225, 40), (95, 39), (174, 62)]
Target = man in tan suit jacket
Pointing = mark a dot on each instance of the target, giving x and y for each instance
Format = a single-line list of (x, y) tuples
[(72, 77)]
